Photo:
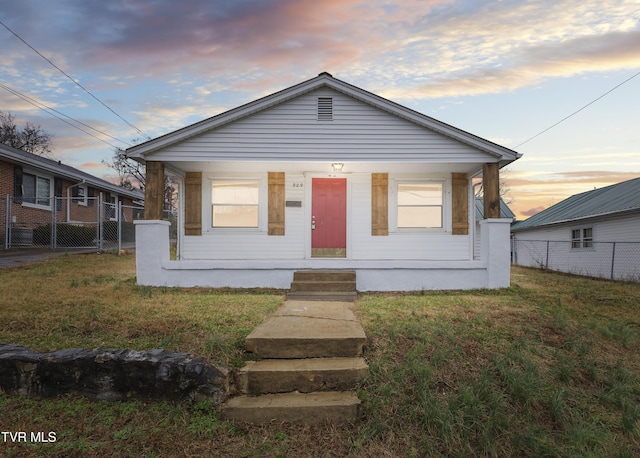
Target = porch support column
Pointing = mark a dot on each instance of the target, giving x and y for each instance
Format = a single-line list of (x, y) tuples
[(154, 190), (491, 188), (152, 250), (495, 251)]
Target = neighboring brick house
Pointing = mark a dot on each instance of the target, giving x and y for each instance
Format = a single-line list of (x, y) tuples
[(33, 186)]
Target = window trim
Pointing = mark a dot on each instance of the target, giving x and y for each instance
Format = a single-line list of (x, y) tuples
[(582, 241), (262, 203), (35, 204), (445, 204)]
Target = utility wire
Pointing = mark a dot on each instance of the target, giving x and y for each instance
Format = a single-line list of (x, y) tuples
[(74, 81), (577, 111), (53, 111)]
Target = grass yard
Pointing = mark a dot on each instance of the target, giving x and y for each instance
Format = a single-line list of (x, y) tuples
[(548, 367)]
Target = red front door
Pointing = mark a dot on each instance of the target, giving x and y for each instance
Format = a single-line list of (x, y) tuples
[(329, 217)]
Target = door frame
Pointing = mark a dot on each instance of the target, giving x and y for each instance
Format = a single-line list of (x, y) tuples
[(308, 196)]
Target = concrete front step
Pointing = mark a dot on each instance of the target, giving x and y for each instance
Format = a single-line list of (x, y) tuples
[(297, 408), (322, 296), (303, 375), (326, 286), (309, 329), (324, 275), (323, 285)]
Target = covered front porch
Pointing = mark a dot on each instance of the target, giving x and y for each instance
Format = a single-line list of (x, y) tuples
[(154, 267)]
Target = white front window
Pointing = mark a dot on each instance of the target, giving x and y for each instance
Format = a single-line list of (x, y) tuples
[(419, 204), (235, 203)]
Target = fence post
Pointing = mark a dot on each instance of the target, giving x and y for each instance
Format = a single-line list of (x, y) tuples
[(546, 264), (54, 238), (119, 226), (99, 231), (613, 259), (7, 225)]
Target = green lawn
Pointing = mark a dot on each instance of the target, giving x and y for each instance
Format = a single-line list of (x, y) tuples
[(548, 367)]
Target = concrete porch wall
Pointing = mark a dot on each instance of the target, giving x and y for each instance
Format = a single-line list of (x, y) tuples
[(492, 270)]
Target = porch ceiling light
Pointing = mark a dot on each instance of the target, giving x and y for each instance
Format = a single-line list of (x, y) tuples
[(337, 166)]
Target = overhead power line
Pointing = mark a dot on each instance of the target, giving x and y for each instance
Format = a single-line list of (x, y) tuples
[(578, 111), (74, 81), (53, 112)]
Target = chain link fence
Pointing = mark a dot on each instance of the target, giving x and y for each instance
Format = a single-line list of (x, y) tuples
[(61, 223), (611, 260)]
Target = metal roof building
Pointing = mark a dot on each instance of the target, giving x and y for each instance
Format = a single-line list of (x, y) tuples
[(615, 199)]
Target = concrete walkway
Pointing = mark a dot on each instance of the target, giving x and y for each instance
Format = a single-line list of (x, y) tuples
[(313, 364), (309, 329), (19, 258)]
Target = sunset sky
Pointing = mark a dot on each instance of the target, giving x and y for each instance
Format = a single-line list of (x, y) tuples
[(503, 70)]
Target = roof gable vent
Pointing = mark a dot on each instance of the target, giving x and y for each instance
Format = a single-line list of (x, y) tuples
[(325, 108)]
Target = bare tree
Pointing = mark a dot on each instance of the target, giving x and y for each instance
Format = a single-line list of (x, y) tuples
[(30, 138), (131, 174), (505, 191)]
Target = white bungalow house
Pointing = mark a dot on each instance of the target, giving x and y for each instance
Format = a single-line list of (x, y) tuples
[(594, 233), (324, 175)]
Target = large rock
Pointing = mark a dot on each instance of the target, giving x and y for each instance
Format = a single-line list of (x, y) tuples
[(111, 374)]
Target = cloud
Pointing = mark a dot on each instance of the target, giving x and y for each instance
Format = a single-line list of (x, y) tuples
[(533, 191), (409, 48), (93, 165)]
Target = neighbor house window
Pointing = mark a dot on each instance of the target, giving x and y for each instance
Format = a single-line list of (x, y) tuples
[(111, 207), (420, 205), (81, 195), (582, 238), (235, 203), (36, 190)]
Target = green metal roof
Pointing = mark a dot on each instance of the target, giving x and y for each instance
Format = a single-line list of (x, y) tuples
[(618, 198), (505, 211)]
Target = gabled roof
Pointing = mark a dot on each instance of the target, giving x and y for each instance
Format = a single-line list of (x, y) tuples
[(57, 168), (505, 211), (324, 79), (615, 199)]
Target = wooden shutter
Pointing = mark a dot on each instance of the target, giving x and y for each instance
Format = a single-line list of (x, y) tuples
[(193, 203), (57, 193), (460, 204), (379, 204), (276, 203), (17, 185)]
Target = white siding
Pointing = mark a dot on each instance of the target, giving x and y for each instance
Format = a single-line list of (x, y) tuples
[(236, 245), (532, 248), (291, 132), (612, 229), (399, 245)]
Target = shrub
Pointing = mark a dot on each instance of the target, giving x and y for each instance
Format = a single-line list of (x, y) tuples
[(67, 235)]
